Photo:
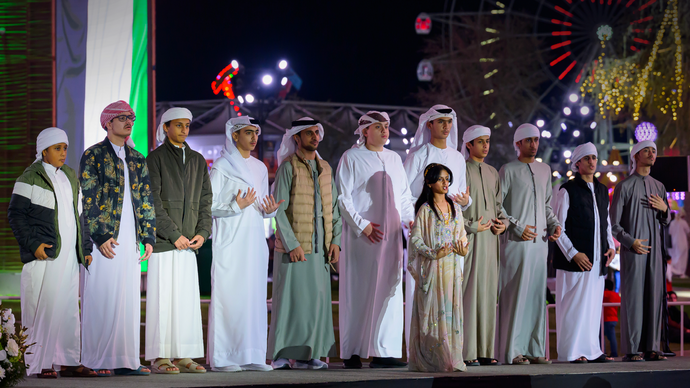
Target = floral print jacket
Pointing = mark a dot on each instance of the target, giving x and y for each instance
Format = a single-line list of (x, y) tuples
[(101, 174)]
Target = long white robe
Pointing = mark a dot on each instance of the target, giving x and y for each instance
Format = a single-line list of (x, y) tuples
[(50, 291), (522, 275), (415, 163), (579, 294), (173, 327), (111, 297), (679, 231), (238, 326), (372, 188)]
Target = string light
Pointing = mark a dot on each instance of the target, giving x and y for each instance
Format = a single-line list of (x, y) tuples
[(619, 83)]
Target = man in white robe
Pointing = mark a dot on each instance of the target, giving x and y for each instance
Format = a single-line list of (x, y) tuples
[(119, 210), (586, 249), (526, 187), (44, 214), (679, 231), (181, 191), (436, 141), (374, 197), (237, 330)]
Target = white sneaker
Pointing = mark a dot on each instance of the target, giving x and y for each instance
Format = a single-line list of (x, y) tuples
[(311, 364), (257, 367), (229, 368), (281, 363)]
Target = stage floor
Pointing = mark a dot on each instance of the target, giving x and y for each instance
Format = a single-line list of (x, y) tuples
[(675, 372)]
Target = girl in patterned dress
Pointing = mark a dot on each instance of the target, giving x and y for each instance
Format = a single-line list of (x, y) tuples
[(438, 244)]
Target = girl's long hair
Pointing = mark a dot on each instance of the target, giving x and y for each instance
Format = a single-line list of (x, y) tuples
[(432, 173)]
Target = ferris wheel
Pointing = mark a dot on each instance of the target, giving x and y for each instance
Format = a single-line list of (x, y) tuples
[(571, 34), (568, 37)]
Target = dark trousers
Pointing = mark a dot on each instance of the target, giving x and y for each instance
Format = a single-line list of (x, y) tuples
[(610, 333)]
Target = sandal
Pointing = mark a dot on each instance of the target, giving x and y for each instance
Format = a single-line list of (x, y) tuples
[(488, 361), (654, 356), (132, 372), (104, 373), (47, 374), (78, 371), (163, 366), (633, 358), (520, 360), (581, 360), (472, 363), (187, 365), (601, 359), (539, 360)]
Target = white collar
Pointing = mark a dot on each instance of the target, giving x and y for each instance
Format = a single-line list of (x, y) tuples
[(50, 169)]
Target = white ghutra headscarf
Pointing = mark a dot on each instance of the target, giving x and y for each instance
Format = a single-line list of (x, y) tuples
[(423, 134), (289, 146), (49, 137), (580, 152), (470, 134), (523, 132), (372, 117), (637, 148), (237, 167), (171, 114)]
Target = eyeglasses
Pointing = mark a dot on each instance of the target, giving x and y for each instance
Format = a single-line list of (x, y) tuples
[(124, 118)]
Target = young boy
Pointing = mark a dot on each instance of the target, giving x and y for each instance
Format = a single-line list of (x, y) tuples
[(44, 214)]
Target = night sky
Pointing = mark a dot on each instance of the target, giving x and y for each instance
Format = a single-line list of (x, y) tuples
[(344, 51)]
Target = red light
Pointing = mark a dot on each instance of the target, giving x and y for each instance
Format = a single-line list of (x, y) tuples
[(562, 57), (561, 33), (556, 21), (650, 2), (239, 114), (564, 12), (633, 48), (422, 25), (629, 2), (566, 71), (237, 108), (648, 18), (559, 45), (232, 102), (638, 40), (577, 80)]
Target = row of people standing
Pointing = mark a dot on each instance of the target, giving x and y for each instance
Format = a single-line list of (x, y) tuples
[(175, 191)]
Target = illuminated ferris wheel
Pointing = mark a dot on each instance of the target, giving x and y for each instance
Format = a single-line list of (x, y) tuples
[(568, 38), (571, 34)]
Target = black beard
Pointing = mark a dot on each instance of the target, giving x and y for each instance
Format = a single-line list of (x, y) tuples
[(309, 147)]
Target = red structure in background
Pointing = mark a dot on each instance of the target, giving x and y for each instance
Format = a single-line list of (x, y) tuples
[(223, 83)]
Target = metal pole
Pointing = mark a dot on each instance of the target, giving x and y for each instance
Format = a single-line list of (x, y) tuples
[(682, 331)]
